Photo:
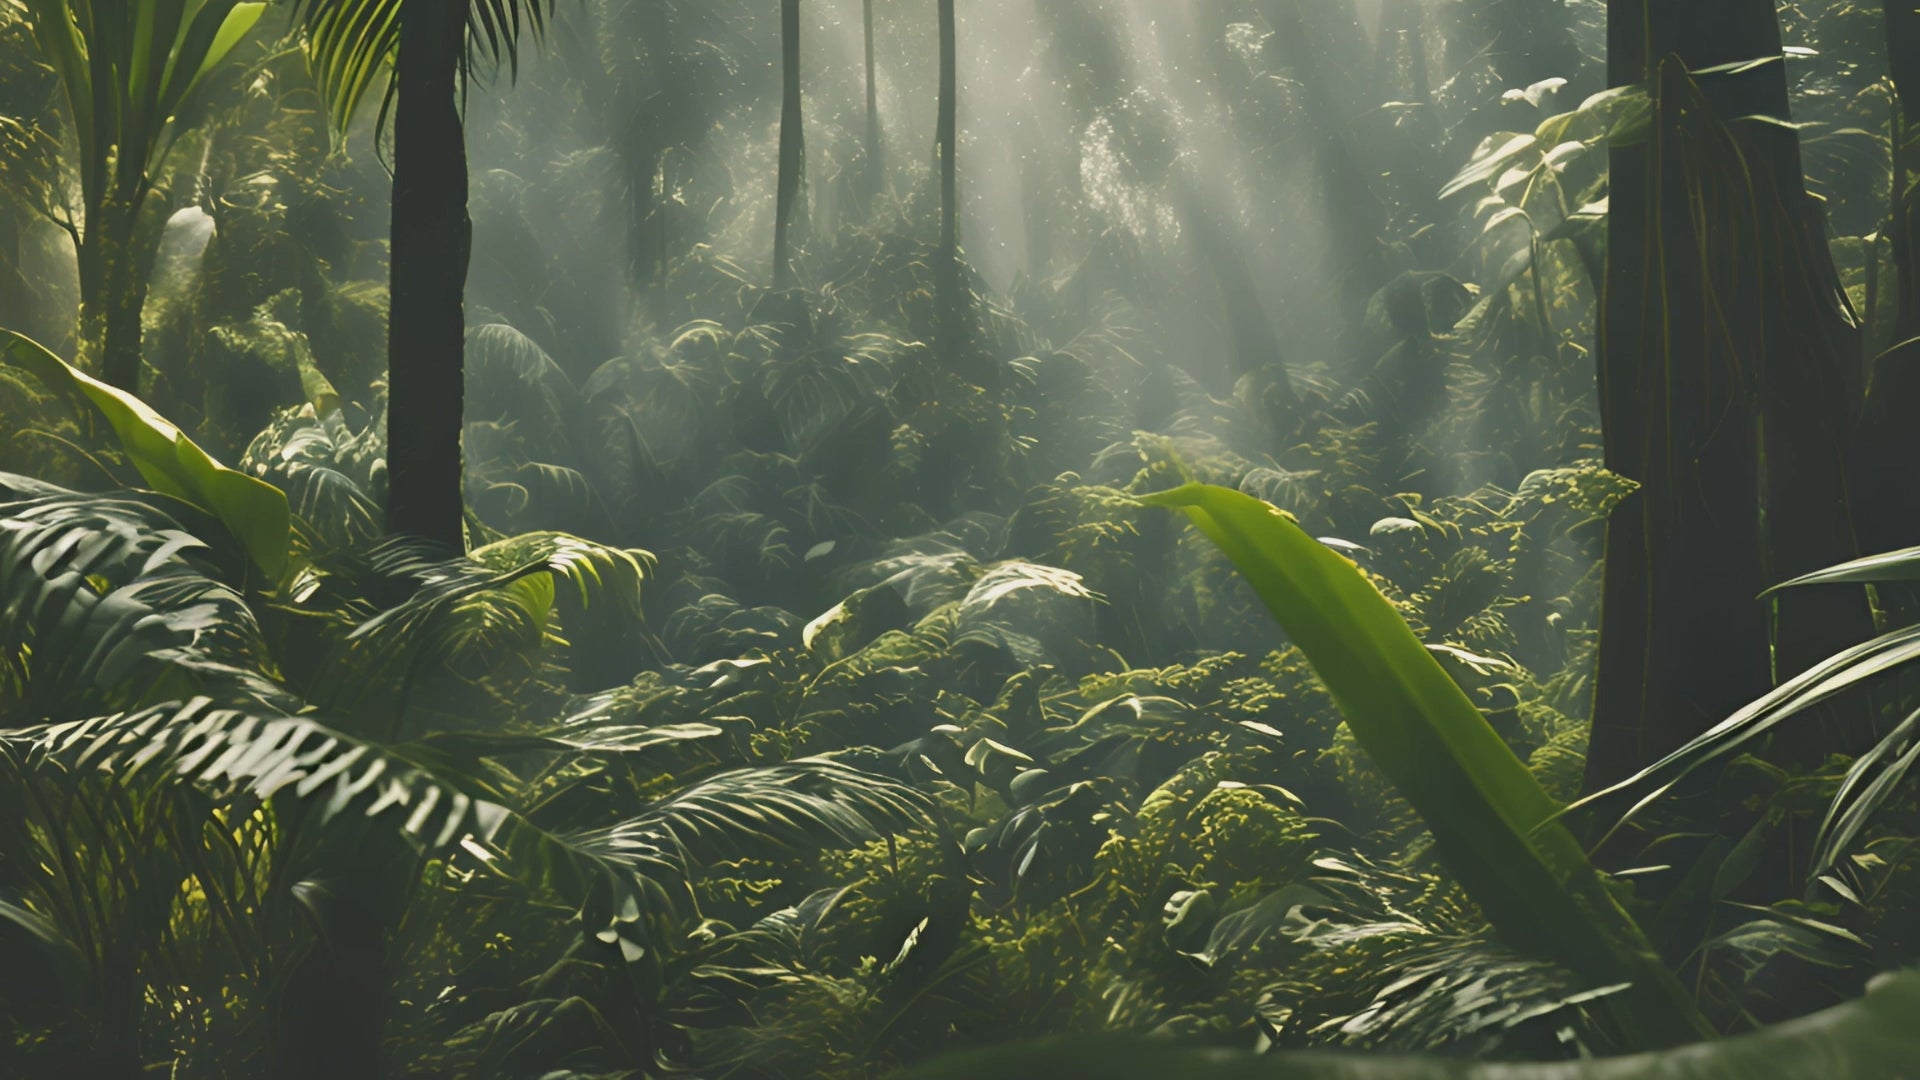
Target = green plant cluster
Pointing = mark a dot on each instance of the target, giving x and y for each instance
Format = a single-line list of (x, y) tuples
[(809, 705)]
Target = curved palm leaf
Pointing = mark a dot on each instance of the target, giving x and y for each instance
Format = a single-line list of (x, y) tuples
[(627, 875), (352, 43), (1497, 829), (107, 604), (1873, 778)]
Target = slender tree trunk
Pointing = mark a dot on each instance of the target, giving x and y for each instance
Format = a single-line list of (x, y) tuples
[(1355, 215), (1402, 34), (114, 273), (1727, 384), (950, 290), (876, 161), (432, 238), (1256, 347), (792, 146)]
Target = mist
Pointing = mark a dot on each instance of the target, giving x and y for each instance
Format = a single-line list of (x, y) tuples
[(897, 539)]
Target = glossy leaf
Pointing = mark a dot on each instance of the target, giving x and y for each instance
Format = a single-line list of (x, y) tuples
[(254, 511)]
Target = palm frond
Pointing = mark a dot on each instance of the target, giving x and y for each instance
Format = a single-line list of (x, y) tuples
[(110, 602), (352, 43)]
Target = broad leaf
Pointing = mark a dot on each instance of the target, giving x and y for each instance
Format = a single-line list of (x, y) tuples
[(254, 511)]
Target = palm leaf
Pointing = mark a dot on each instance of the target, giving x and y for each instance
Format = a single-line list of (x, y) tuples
[(108, 602), (352, 43), (627, 875)]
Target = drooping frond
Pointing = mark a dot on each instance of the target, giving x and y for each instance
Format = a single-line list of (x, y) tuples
[(352, 43), (110, 602)]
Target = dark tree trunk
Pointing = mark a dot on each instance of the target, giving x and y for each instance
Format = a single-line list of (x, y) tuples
[(115, 258), (1728, 380), (949, 287), (432, 238), (876, 161), (1887, 450), (793, 152)]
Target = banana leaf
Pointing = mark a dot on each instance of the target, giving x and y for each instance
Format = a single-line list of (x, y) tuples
[(254, 511)]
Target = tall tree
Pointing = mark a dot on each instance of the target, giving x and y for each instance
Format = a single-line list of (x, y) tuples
[(952, 300), (876, 162), (1887, 450), (1728, 371), (1354, 214), (431, 46), (793, 150), (130, 75)]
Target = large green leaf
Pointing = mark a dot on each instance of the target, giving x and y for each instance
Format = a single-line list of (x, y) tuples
[(1873, 1038), (103, 602), (1496, 828), (253, 510)]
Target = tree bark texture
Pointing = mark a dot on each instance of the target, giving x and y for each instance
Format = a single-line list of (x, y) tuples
[(432, 238), (1728, 370)]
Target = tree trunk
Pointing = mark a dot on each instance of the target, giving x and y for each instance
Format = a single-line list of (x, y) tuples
[(876, 161), (950, 292), (1356, 218), (1727, 384), (113, 288), (432, 238), (1402, 34), (792, 146), (1887, 450)]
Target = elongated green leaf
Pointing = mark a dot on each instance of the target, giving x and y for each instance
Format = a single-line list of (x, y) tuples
[(1495, 826), (227, 33), (1870, 782), (630, 876), (583, 738), (1873, 1038), (1838, 673), (253, 510), (1902, 565)]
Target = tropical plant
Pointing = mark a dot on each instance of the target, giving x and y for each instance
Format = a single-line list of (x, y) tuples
[(817, 690), (1495, 826), (431, 49), (133, 78)]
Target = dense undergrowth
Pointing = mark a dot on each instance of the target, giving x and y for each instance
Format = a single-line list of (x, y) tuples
[(802, 707)]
